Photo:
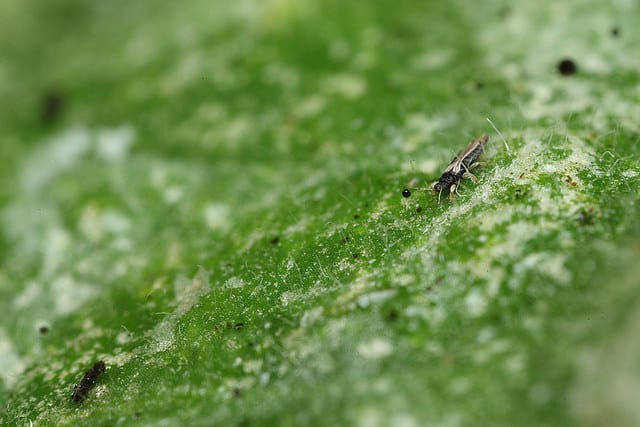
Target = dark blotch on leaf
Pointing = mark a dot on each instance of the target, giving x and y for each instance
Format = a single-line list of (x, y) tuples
[(392, 316), (355, 255), (567, 67), (479, 85), (275, 240), (81, 390), (586, 217), (356, 216), (238, 326), (51, 107), (615, 32), (419, 209), (43, 329), (345, 239)]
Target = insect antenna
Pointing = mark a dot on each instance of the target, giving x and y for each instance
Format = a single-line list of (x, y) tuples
[(499, 133)]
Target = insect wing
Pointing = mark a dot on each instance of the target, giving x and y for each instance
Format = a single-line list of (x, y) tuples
[(472, 151)]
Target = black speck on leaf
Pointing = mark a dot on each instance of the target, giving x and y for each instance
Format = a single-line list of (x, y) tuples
[(567, 67), (51, 107), (81, 390)]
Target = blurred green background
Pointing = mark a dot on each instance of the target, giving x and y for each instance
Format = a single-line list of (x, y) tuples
[(207, 196)]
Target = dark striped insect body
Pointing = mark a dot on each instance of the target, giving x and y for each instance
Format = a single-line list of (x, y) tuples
[(81, 390), (460, 167)]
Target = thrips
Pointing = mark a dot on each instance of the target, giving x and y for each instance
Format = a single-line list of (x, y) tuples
[(460, 167)]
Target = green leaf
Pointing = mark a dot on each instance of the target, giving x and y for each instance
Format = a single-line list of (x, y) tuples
[(207, 196)]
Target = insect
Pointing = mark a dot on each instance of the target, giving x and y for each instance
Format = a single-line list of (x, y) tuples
[(459, 167), (81, 390)]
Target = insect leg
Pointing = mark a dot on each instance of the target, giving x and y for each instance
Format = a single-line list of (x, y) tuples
[(473, 165), (469, 175), (453, 189)]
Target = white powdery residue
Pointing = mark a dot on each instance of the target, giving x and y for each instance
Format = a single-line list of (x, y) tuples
[(350, 86), (237, 129), (459, 386), (577, 97), (485, 335), (476, 303), (55, 246), (357, 287), (548, 264), (311, 316), (234, 283), (115, 222), (90, 223), (28, 296), (11, 365), (172, 195), (69, 294), (630, 173), (123, 337), (54, 157), (113, 144), (376, 297), (281, 75), (431, 59), (420, 127), (163, 336), (188, 292), (375, 349), (216, 215), (310, 106)]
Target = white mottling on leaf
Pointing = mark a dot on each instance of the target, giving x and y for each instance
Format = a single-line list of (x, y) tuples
[(11, 364), (476, 303), (350, 86), (113, 144), (376, 297), (216, 215), (69, 294), (376, 348)]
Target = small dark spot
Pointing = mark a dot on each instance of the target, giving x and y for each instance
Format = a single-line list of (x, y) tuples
[(345, 239), (392, 316), (567, 67), (355, 255), (236, 392), (479, 85), (406, 193), (137, 414), (504, 11), (570, 181), (356, 216), (586, 217), (615, 32), (521, 192), (238, 326), (429, 288), (51, 107), (275, 240), (43, 329), (419, 209), (81, 390)]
